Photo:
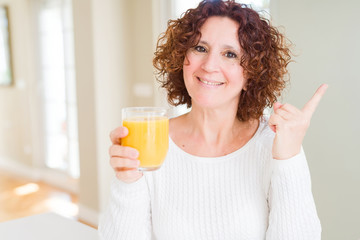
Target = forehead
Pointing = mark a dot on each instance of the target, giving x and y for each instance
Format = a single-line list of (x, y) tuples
[(220, 28)]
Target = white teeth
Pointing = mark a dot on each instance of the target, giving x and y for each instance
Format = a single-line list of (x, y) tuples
[(210, 83)]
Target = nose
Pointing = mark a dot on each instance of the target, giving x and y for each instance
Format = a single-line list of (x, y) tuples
[(211, 63)]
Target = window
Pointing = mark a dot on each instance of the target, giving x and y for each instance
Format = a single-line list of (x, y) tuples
[(58, 86), (5, 58)]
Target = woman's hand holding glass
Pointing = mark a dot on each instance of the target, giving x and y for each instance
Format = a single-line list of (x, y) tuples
[(123, 159)]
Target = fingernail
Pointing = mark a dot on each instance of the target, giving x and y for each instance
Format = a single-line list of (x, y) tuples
[(125, 131)]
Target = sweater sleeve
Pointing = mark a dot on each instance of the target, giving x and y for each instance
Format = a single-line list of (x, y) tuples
[(292, 208), (127, 216)]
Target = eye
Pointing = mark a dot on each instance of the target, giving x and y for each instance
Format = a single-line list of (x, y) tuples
[(200, 48), (230, 55)]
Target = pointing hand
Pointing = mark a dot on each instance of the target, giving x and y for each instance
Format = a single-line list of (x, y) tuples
[(290, 125)]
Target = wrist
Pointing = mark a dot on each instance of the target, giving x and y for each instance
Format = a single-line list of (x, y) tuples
[(287, 154)]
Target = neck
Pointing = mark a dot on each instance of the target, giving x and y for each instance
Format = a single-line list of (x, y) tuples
[(211, 132), (214, 126)]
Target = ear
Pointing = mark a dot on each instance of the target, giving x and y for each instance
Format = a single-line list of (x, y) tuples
[(245, 87)]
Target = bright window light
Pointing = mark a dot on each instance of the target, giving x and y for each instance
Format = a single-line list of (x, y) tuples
[(57, 68)]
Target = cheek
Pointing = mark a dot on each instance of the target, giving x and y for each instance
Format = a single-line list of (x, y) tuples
[(188, 68), (235, 74), (191, 61)]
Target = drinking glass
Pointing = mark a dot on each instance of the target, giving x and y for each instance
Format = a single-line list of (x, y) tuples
[(148, 133)]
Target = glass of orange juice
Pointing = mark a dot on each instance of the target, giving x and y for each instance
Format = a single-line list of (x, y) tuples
[(148, 133)]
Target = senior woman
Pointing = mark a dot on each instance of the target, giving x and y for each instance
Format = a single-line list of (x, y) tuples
[(230, 172)]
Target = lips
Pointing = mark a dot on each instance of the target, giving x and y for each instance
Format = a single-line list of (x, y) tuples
[(210, 83)]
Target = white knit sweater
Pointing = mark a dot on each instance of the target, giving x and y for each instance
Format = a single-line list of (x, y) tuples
[(245, 195)]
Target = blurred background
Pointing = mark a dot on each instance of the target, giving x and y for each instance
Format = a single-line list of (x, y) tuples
[(67, 67)]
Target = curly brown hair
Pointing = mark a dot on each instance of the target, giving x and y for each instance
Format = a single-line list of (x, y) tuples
[(265, 55)]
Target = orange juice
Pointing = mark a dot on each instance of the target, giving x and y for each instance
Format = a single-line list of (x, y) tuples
[(150, 136)]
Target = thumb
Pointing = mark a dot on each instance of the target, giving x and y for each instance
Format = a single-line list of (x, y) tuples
[(118, 133), (277, 105)]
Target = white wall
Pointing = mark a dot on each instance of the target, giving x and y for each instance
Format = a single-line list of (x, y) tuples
[(326, 36), (15, 115), (86, 105)]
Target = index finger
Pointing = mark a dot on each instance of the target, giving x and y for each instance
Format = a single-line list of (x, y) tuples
[(312, 104), (118, 133)]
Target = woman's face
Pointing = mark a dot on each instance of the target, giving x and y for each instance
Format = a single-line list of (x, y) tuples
[(212, 72)]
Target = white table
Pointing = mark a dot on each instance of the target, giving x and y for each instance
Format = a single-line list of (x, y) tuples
[(45, 227)]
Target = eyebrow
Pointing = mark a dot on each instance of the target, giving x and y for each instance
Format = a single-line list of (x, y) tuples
[(224, 46)]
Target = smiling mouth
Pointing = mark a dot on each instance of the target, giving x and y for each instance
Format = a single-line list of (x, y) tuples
[(210, 83)]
